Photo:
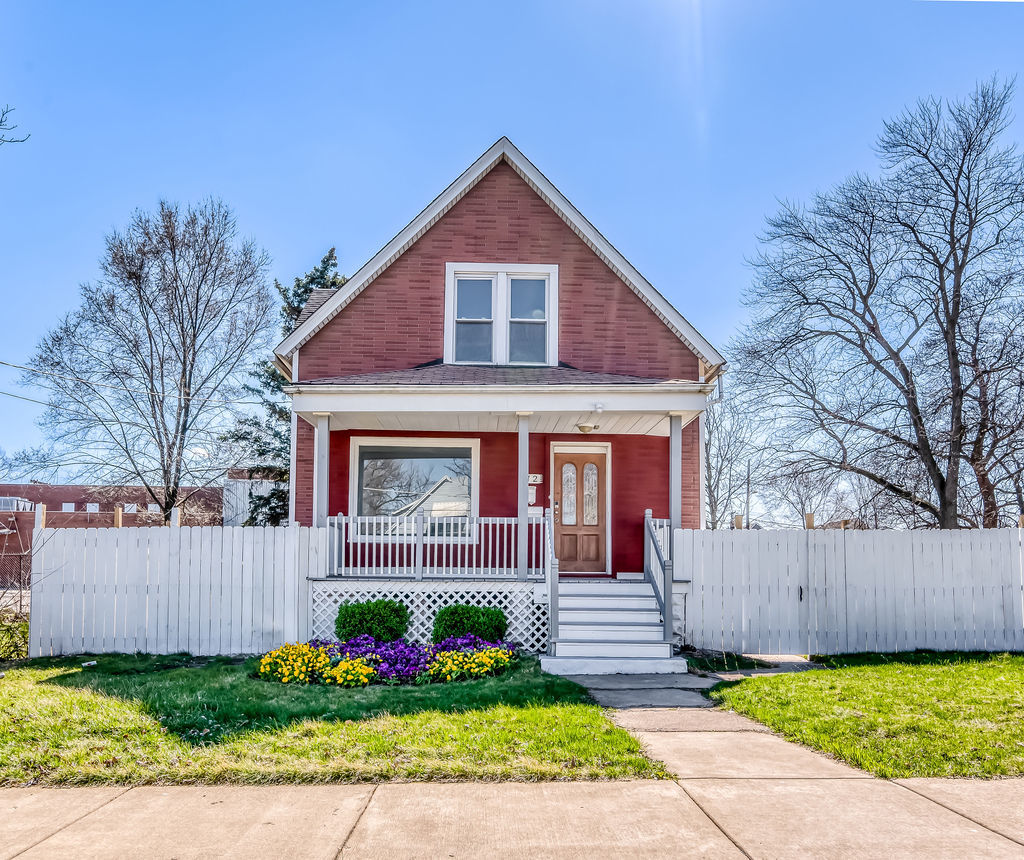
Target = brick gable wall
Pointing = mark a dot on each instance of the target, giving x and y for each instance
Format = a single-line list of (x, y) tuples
[(397, 322)]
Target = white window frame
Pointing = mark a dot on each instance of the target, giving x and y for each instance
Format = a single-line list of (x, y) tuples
[(501, 275), (92, 507), (67, 507), (356, 442)]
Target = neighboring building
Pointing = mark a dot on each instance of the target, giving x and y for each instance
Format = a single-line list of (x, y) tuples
[(85, 506), (241, 486), (500, 339)]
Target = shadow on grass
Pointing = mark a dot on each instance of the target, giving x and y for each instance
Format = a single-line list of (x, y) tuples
[(907, 658), (206, 700), (702, 660)]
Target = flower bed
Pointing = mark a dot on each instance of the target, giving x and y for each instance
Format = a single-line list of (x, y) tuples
[(365, 660)]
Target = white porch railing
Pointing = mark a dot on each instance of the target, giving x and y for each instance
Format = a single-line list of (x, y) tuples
[(663, 533), (425, 547)]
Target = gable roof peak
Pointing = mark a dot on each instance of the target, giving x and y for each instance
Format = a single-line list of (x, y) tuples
[(503, 150)]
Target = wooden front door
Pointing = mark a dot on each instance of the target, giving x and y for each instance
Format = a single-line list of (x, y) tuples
[(580, 512)]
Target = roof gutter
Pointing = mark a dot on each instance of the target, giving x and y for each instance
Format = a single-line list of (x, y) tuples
[(707, 387)]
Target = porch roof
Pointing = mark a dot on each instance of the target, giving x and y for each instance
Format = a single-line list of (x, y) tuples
[(477, 374), (476, 398)]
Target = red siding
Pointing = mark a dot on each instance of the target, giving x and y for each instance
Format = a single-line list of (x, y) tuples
[(398, 321), (303, 477), (639, 479)]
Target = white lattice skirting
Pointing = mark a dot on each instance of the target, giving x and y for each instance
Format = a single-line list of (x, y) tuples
[(524, 607)]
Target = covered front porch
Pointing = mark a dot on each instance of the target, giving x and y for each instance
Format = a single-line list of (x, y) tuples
[(420, 481)]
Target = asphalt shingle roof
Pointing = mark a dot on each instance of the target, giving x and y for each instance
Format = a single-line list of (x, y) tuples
[(473, 374), (316, 298)]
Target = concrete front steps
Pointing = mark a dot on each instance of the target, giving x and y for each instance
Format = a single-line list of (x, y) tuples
[(610, 627)]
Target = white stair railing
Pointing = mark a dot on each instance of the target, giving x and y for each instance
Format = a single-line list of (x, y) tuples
[(658, 568), (551, 576)]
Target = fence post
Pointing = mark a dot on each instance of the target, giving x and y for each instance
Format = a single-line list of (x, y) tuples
[(809, 521), (420, 525), (118, 511), (40, 516), (175, 516), (737, 522)]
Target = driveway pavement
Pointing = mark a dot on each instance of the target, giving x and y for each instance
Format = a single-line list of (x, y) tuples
[(741, 791)]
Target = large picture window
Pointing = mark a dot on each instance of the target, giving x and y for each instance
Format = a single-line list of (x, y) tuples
[(407, 481), (501, 314), (405, 477)]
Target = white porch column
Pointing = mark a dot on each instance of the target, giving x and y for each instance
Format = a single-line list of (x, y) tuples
[(675, 469), (321, 465), (523, 476)]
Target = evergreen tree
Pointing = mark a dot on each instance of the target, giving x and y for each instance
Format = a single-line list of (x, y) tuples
[(267, 437)]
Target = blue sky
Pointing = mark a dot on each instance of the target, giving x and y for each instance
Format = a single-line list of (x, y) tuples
[(673, 126)]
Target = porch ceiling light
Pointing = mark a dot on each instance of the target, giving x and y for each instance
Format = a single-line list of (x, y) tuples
[(590, 426)]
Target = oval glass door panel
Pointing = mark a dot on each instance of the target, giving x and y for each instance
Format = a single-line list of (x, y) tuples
[(569, 494), (590, 494)]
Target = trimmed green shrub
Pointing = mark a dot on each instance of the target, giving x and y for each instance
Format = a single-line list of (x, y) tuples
[(384, 620), (460, 619)]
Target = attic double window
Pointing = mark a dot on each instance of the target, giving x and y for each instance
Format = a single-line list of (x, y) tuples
[(501, 314)]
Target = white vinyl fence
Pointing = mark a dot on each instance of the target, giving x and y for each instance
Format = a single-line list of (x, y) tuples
[(241, 590), (834, 591), (205, 590)]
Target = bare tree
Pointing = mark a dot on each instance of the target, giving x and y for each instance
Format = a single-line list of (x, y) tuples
[(733, 453), (146, 375), (887, 313), (794, 491), (6, 125)]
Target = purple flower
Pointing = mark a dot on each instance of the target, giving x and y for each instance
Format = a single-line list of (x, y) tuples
[(401, 661)]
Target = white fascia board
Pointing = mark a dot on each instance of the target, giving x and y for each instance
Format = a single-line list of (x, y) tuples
[(488, 399), (504, 148)]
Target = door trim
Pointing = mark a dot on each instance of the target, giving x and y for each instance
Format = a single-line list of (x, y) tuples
[(588, 448)]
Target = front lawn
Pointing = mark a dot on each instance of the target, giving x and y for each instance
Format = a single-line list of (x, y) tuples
[(143, 719), (905, 715)]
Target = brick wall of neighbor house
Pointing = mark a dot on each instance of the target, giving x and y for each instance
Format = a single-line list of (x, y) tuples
[(639, 479), (203, 506), (203, 509), (398, 321)]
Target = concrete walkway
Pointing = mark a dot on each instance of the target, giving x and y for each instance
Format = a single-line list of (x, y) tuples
[(741, 791)]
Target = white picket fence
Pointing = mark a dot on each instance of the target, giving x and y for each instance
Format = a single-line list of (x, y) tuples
[(205, 590), (827, 592)]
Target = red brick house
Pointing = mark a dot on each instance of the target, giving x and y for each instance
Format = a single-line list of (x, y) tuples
[(92, 506), (495, 360)]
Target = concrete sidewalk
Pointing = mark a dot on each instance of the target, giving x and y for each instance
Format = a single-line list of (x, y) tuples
[(741, 791)]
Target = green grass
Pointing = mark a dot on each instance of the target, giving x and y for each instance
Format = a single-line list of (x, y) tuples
[(905, 715), (135, 720)]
